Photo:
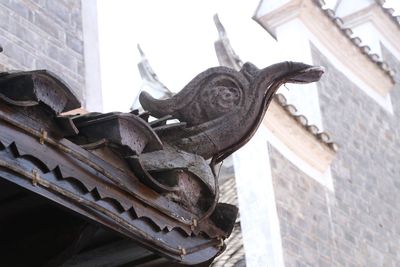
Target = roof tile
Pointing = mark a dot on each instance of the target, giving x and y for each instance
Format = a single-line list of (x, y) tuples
[(348, 33)]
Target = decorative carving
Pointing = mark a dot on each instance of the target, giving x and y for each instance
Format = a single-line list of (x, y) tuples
[(150, 80), (130, 173), (225, 53), (222, 102), (220, 110)]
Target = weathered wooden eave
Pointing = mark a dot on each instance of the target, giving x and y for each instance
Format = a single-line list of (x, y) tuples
[(36, 155)]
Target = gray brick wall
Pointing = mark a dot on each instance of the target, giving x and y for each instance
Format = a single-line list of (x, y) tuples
[(43, 34), (303, 215), (358, 224)]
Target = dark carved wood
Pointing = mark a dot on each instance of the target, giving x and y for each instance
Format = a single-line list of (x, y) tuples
[(222, 102), (148, 181)]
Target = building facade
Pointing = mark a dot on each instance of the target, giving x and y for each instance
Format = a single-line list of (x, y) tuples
[(317, 185), (340, 211)]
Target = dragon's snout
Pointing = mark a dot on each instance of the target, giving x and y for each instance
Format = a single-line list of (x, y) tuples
[(307, 74), (286, 72), (303, 73)]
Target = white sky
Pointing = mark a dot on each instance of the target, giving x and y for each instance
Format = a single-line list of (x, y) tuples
[(178, 38)]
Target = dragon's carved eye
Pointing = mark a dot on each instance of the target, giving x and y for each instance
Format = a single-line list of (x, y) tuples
[(221, 96)]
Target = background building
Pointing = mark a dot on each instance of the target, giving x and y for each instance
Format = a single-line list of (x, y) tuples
[(306, 197), (354, 223), (337, 207)]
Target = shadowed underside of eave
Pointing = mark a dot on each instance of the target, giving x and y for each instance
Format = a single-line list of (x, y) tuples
[(65, 203)]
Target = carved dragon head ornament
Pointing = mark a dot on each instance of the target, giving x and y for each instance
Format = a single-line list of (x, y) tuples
[(222, 108), (135, 168)]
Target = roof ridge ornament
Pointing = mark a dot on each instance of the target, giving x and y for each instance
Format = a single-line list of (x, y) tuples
[(227, 57), (151, 82), (150, 181), (220, 27), (225, 53), (220, 102)]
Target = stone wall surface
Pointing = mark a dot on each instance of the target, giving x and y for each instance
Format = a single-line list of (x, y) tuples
[(358, 223), (43, 34)]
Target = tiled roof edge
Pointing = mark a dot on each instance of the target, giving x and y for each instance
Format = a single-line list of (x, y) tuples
[(322, 136), (149, 77), (364, 49), (389, 12)]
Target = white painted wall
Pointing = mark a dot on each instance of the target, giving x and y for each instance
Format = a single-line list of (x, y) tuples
[(323, 178), (384, 101), (93, 91), (369, 36), (258, 214), (347, 7), (294, 45)]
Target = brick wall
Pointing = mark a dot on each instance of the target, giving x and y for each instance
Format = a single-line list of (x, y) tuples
[(357, 225), (303, 215), (43, 34)]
